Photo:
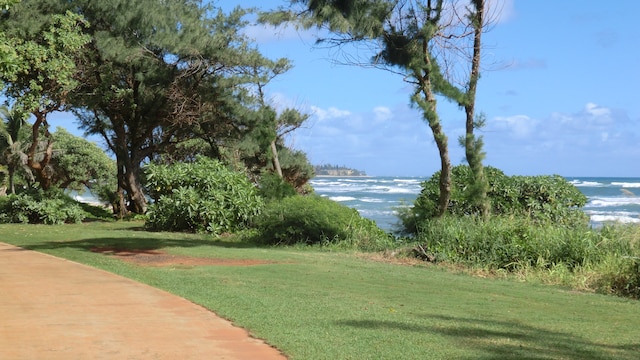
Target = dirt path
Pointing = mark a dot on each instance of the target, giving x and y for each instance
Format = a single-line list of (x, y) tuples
[(52, 308)]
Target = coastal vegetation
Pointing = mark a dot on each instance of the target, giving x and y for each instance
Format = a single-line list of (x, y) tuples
[(335, 170), (312, 303), (197, 158)]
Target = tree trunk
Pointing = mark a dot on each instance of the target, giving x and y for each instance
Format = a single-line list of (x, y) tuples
[(473, 147), (40, 168), (12, 185), (119, 205), (276, 161), (445, 168), (137, 200), (429, 108)]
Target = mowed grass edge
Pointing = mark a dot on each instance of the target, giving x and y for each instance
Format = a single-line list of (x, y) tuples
[(321, 305)]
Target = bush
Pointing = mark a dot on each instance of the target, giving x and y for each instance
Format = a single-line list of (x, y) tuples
[(203, 196), (620, 276), (39, 207), (316, 220), (510, 243), (273, 187), (540, 198)]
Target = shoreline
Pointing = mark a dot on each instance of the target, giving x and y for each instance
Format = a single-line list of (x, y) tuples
[(341, 176)]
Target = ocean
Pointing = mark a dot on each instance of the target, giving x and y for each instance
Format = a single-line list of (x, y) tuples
[(378, 197)]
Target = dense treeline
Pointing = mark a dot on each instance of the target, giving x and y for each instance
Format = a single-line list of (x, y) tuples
[(156, 81), (332, 170)]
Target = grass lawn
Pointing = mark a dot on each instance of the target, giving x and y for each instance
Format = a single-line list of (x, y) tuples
[(321, 305)]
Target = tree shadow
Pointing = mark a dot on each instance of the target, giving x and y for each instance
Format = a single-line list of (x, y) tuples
[(497, 339), (143, 241)]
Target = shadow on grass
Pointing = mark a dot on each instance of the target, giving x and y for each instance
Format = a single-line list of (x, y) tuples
[(143, 241), (496, 339)]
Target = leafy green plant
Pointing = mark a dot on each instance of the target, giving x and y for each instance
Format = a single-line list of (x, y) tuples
[(620, 276), (273, 187), (203, 196), (315, 220), (39, 207), (508, 243), (540, 198)]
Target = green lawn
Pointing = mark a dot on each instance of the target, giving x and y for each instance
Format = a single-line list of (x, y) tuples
[(322, 305)]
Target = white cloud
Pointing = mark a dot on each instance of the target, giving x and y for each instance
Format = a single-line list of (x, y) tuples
[(382, 113), (330, 113), (520, 126), (592, 140), (597, 111)]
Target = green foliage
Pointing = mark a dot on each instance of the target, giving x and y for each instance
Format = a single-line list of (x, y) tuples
[(39, 207), (200, 196), (606, 260), (46, 62), (509, 243), (620, 276), (316, 220), (78, 163), (541, 198), (273, 187)]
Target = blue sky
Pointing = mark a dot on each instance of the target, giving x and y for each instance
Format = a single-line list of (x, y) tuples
[(559, 90)]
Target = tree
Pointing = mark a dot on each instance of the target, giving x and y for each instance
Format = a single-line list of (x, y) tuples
[(412, 38), (8, 56), (154, 74), (79, 164), (43, 78), (12, 144)]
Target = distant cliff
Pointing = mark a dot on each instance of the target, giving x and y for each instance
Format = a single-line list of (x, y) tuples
[(335, 170)]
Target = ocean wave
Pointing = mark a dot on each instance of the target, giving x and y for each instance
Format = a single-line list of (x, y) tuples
[(580, 183), (372, 200), (403, 191), (375, 212), (613, 201), (626, 184), (342, 198), (408, 181), (615, 218)]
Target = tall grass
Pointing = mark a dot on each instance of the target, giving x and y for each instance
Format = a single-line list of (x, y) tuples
[(605, 260)]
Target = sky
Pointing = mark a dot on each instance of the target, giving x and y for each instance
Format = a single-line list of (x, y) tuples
[(559, 89)]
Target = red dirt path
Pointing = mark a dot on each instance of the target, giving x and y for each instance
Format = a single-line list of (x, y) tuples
[(52, 308), (161, 258)]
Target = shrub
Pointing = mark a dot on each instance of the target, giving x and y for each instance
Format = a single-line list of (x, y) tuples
[(203, 196), (541, 198), (39, 207), (620, 276), (273, 187), (509, 243), (315, 220)]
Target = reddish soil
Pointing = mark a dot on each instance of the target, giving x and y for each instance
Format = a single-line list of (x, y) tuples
[(162, 258), (52, 308)]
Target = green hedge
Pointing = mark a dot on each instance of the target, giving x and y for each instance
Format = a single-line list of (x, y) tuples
[(203, 196), (39, 207), (313, 219), (540, 198)]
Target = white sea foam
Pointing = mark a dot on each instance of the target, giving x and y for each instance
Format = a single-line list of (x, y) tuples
[(372, 200), (342, 198), (613, 201), (626, 184), (580, 183), (403, 191), (408, 181), (615, 218)]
